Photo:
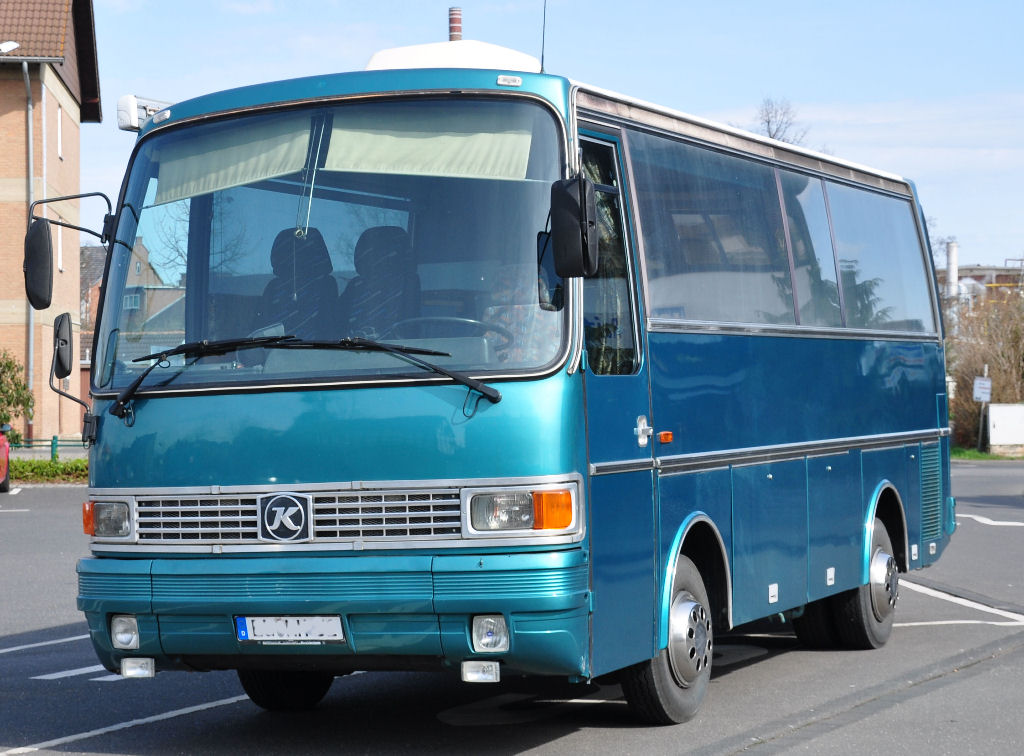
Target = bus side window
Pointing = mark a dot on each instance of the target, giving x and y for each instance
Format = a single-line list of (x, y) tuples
[(607, 297)]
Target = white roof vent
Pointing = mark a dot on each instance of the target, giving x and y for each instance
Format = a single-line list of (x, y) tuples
[(460, 54)]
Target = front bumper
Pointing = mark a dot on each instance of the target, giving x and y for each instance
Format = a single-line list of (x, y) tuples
[(398, 611)]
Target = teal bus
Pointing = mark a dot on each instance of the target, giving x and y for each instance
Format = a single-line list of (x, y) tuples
[(478, 368)]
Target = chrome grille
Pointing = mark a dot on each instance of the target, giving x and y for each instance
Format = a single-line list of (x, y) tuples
[(202, 518), (388, 515), (337, 517)]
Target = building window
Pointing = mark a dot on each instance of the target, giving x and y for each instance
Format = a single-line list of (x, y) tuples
[(60, 132), (132, 301)]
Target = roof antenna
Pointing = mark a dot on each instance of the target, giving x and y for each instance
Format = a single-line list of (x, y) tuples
[(543, 35)]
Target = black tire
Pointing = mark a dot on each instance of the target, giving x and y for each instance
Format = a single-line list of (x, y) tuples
[(864, 615), (285, 690), (816, 627), (669, 688)]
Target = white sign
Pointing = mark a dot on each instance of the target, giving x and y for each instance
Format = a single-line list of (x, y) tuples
[(983, 389)]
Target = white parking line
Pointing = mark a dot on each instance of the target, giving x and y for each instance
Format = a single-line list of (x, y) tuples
[(122, 726), (1016, 619), (71, 673), (43, 643), (995, 523), (12, 511)]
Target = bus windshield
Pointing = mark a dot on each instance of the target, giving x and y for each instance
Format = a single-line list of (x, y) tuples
[(417, 222)]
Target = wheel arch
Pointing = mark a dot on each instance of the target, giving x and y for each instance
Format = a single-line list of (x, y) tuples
[(698, 539), (887, 506)]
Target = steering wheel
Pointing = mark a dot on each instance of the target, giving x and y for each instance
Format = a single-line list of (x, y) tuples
[(455, 324)]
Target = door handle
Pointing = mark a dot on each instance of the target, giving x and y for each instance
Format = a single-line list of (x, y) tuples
[(643, 431)]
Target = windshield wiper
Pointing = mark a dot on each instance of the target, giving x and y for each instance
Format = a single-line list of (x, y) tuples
[(193, 348), (204, 348), (403, 352)]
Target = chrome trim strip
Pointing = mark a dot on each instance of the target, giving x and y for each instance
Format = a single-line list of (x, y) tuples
[(664, 325), (627, 109), (576, 326), (684, 463), (268, 549), (354, 485), (622, 466)]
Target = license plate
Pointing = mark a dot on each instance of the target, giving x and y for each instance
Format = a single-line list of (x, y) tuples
[(309, 630)]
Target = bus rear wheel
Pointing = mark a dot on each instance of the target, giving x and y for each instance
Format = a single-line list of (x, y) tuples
[(285, 690), (669, 688), (864, 615)]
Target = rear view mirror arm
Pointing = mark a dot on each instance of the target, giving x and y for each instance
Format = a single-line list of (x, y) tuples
[(103, 236)]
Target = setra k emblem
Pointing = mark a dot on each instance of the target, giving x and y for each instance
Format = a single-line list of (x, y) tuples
[(284, 517)]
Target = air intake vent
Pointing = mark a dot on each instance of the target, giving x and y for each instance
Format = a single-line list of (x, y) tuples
[(931, 493)]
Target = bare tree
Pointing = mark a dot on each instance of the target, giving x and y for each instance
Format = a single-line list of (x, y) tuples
[(989, 332), (776, 119)]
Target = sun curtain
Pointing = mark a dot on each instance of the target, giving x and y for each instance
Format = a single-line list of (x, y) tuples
[(439, 139)]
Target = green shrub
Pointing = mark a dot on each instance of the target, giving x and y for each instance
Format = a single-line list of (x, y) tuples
[(47, 471)]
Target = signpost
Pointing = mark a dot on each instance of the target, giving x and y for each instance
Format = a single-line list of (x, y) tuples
[(983, 394)]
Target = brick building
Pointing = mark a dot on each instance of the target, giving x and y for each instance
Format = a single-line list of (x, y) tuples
[(49, 86)]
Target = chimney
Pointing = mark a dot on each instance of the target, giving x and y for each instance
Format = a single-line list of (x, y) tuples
[(454, 24), (952, 269)]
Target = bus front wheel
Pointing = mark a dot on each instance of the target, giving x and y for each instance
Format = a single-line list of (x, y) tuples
[(864, 616), (285, 690), (669, 688)]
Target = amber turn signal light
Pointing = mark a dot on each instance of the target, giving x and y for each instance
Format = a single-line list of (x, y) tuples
[(88, 520), (552, 510)]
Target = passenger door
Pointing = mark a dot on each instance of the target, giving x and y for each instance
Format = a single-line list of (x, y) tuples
[(621, 491)]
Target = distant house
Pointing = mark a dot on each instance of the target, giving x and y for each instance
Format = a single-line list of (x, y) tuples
[(145, 292), (49, 86)]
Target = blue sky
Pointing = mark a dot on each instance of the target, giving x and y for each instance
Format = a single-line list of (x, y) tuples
[(930, 90)]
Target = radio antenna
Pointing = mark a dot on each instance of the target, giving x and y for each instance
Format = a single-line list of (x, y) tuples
[(543, 35)]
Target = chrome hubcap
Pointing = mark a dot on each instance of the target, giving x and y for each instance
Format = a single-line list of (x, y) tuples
[(885, 585), (689, 641)]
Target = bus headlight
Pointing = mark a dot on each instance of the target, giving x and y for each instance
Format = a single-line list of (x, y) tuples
[(110, 519), (501, 511), (522, 510)]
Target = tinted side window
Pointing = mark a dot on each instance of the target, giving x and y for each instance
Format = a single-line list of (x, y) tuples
[(814, 264), (713, 234), (607, 297), (884, 280)]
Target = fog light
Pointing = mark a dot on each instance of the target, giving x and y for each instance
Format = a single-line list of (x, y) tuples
[(490, 634), (481, 672), (138, 668), (124, 632)]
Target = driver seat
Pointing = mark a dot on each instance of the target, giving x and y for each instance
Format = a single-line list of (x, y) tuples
[(303, 294), (386, 288)]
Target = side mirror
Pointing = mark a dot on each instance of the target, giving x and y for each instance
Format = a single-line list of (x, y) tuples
[(38, 266), (574, 227), (62, 355)]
